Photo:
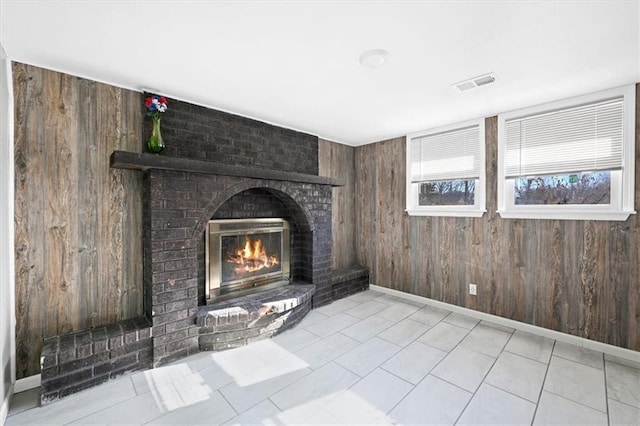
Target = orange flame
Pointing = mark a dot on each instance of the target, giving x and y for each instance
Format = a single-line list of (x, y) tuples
[(252, 257)]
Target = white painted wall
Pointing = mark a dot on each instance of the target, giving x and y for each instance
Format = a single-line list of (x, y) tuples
[(7, 282)]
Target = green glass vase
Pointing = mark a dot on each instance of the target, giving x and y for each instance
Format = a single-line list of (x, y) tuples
[(155, 144)]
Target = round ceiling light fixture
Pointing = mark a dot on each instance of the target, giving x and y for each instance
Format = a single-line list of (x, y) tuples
[(374, 58)]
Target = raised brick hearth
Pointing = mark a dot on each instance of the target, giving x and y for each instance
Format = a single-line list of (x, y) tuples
[(237, 322), (78, 361)]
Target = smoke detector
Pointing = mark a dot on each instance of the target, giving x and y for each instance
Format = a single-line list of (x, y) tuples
[(374, 58), (472, 83)]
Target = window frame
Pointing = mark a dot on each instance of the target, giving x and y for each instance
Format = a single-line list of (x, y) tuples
[(412, 189), (622, 181)]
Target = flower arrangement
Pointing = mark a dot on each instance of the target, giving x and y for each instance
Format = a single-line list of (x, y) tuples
[(155, 105)]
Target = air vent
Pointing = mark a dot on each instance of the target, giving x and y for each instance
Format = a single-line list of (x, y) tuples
[(474, 82)]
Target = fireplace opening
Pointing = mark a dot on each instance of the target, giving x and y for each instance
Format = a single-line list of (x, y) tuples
[(246, 255)]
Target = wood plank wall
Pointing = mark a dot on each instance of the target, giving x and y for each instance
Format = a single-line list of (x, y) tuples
[(578, 277), (336, 160), (77, 221)]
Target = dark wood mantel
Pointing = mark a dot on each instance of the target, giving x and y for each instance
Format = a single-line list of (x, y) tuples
[(145, 161)]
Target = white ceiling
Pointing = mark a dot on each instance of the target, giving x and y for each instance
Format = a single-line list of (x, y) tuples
[(296, 63)]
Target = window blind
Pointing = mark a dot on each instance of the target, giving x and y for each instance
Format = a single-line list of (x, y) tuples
[(448, 155), (573, 140)]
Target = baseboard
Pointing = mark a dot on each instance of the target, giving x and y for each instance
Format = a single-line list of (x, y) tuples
[(624, 354), (4, 409), (27, 383)]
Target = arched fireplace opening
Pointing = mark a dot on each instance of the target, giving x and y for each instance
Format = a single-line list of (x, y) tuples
[(259, 238)]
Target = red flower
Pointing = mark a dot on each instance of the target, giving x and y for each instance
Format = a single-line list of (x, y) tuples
[(163, 100), (148, 101)]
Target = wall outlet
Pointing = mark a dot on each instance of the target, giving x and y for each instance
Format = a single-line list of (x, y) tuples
[(473, 290)]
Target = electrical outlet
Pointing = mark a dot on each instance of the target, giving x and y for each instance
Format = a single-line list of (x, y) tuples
[(473, 289)]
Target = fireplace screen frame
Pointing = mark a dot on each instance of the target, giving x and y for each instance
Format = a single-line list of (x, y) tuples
[(219, 228)]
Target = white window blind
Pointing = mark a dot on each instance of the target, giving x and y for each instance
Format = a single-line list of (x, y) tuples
[(448, 155), (578, 139)]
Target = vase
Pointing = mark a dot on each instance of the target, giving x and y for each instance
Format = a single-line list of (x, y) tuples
[(155, 144)]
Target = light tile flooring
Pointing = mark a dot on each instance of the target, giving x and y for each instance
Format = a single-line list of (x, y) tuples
[(369, 359)]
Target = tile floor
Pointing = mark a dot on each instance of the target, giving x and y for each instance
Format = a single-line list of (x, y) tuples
[(368, 359)]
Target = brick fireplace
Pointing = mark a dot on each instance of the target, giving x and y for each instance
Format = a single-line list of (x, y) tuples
[(217, 166), (225, 167), (179, 206)]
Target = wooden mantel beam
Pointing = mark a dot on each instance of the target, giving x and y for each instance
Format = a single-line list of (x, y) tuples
[(145, 161)]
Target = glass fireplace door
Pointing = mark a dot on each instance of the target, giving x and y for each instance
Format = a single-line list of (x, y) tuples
[(245, 254)]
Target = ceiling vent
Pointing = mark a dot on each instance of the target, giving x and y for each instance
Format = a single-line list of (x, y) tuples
[(472, 83)]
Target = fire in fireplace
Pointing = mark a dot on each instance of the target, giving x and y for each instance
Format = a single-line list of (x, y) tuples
[(245, 254), (251, 258)]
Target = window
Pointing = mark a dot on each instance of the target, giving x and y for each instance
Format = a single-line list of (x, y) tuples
[(445, 171), (572, 159)]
